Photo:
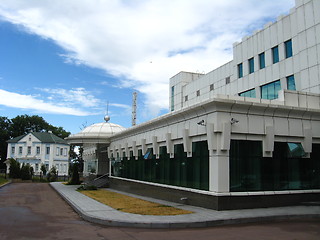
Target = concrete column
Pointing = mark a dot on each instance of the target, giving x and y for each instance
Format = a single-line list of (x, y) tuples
[(219, 172)]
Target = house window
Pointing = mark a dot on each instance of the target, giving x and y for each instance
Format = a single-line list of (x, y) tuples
[(275, 54), (288, 48), (211, 87), (37, 167), (61, 151), (13, 149), (251, 65), (186, 98), (250, 93), (198, 93), (29, 150), (20, 150), (58, 150), (172, 98), (262, 62), (48, 150), (240, 70), (291, 83), (65, 152), (38, 150), (227, 80), (270, 90)]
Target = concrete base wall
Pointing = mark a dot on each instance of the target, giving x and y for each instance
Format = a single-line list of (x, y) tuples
[(210, 201)]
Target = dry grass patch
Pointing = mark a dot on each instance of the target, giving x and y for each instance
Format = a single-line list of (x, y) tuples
[(132, 205)]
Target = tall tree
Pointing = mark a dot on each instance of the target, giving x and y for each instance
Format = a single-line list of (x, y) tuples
[(24, 124), (4, 136)]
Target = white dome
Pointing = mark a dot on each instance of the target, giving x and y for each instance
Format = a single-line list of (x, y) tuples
[(96, 133)]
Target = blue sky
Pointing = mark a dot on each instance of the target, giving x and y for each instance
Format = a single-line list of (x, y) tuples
[(65, 60)]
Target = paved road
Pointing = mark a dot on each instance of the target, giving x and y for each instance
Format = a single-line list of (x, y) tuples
[(35, 211)]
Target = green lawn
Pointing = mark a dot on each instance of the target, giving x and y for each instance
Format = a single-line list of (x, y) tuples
[(3, 180)]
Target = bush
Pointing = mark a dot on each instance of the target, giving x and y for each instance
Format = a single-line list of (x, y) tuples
[(87, 187), (75, 178), (52, 175), (43, 169), (26, 172), (14, 171)]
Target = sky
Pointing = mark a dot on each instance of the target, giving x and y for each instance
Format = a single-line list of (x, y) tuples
[(72, 62)]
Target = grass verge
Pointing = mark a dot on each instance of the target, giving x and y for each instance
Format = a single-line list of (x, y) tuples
[(129, 204), (3, 180)]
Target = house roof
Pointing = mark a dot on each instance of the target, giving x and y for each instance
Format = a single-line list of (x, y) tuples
[(45, 137)]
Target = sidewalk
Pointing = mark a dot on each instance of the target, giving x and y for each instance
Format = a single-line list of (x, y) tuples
[(95, 212)]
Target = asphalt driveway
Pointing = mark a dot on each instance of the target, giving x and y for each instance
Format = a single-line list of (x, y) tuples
[(36, 211)]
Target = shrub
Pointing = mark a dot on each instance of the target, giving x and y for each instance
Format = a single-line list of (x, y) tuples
[(26, 172), (75, 178), (87, 187), (14, 171), (43, 169), (52, 175)]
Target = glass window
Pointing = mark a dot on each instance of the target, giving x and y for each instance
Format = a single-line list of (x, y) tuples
[(172, 98), (228, 80), (288, 48), (186, 98), (61, 151), (251, 65), (295, 150), (250, 93), (29, 150), (270, 91), (291, 83), (58, 150), (13, 150), (20, 150), (262, 62), (48, 150), (38, 150), (275, 54), (198, 93), (211, 87), (240, 70)]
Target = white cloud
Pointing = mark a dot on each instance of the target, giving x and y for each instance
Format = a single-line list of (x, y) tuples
[(145, 42), (74, 96), (15, 100)]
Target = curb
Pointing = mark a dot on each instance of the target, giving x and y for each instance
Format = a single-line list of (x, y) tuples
[(5, 184), (186, 224)]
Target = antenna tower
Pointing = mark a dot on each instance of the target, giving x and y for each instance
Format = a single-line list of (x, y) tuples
[(134, 108)]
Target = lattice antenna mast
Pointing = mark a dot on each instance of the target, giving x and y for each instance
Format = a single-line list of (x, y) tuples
[(134, 108)]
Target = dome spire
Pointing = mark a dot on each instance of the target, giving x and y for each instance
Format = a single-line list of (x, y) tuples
[(107, 117)]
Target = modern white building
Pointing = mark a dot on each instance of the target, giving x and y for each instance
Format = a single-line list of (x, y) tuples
[(37, 148), (246, 134), (94, 140)]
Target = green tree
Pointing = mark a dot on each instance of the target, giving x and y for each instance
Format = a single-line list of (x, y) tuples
[(24, 124), (53, 174), (4, 136), (26, 172), (14, 171), (43, 169), (75, 178)]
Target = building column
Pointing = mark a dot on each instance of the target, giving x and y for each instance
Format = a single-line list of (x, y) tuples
[(219, 180)]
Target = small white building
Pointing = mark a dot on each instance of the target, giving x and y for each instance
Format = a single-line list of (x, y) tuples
[(37, 148)]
